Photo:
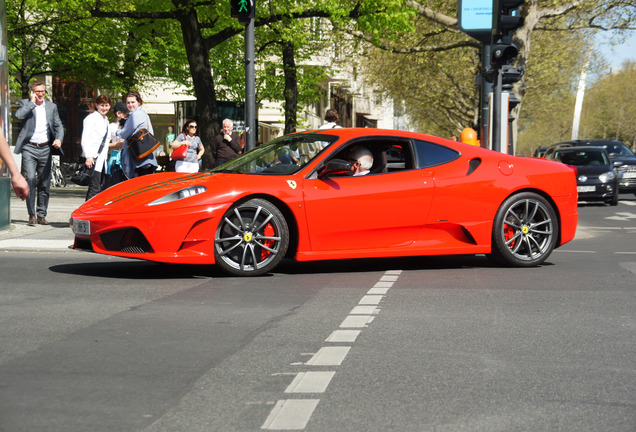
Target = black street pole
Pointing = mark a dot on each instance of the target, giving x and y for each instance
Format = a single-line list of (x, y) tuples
[(250, 87), (496, 111), (486, 89)]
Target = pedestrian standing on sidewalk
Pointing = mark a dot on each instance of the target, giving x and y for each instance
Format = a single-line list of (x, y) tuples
[(42, 133), (114, 170), (137, 119), (189, 136), (19, 183), (227, 144), (95, 139), (331, 119)]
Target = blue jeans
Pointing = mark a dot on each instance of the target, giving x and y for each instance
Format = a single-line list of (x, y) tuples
[(36, 169)]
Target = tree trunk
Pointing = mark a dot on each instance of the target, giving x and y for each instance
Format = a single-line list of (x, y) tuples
[(291, 87), (199, 61)]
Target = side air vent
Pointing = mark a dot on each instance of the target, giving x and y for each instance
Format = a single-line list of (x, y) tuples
[(472, 165)]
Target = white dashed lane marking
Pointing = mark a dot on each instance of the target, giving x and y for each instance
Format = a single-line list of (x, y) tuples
[(343, 336), (294, 414), (290, 414), (310, 382), (329, 356), (356, 321)]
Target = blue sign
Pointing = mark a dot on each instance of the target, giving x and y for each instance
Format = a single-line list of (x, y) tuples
[(475, 18)]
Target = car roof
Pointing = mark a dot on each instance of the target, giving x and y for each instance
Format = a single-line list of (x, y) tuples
[(589, 142), (582, 148)]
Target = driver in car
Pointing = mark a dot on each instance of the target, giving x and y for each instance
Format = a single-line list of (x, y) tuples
[(361, 161)]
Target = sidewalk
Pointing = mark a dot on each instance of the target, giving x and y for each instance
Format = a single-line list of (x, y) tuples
[(56, 236)]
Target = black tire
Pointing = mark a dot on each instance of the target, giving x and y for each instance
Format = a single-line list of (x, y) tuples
[(525, 231), (613, 201), (251, 239)]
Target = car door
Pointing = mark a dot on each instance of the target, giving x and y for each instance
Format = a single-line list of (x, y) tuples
[(383, 210)]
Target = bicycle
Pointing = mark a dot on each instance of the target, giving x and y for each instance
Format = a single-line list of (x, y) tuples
[(57, 177)]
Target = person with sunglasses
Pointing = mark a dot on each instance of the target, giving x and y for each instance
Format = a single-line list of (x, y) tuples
[(189, 136)]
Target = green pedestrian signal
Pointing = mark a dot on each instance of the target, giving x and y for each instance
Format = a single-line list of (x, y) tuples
[(244, 10)]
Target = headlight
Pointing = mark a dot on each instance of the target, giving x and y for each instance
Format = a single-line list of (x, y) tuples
[(607, 177), (175, 196)]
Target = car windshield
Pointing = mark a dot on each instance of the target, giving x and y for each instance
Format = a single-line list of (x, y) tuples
[(618, 150), (282, 156), (582, 157)]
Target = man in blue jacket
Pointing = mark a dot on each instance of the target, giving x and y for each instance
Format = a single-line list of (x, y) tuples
[(42, 131)]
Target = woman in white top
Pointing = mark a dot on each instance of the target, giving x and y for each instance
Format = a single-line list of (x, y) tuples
[(189, 137), (95, 136)]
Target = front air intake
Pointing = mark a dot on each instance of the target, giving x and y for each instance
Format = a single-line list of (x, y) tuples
[(128, 240)]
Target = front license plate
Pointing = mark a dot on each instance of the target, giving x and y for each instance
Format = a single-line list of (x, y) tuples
[(586, 188), (629, 175), (81, 227)]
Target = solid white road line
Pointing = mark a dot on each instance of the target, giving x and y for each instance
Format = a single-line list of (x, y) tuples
[(310, 382), (290, 414)]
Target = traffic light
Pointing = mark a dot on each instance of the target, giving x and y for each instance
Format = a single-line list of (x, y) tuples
[(506, 18), (244, 10)]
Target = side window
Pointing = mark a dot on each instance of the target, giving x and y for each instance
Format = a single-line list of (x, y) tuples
[(396, 159), (389, 155), (429, 154)]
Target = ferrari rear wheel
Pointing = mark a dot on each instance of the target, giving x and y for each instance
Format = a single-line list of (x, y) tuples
[(525, 231), (251, 239)]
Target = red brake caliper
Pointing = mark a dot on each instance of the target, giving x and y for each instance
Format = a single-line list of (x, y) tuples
[(509, 233), (268, 232)]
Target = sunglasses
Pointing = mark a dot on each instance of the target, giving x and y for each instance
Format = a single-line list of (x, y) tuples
[(193, 127)]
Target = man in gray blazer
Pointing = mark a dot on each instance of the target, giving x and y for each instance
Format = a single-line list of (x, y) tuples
[(42, 131)]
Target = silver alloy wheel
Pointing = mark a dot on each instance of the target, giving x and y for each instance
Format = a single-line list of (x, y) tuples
[(525, 230), (251, 239)]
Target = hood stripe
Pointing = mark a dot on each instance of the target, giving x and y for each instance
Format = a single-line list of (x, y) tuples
[(158, 185)]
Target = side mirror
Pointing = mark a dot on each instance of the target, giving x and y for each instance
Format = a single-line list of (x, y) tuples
[(335, 167)]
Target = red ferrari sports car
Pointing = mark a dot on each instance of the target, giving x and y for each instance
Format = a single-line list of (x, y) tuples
[(296, 197)]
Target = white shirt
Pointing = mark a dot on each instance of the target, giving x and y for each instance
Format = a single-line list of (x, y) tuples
[(95, 127), (40, 134), (330, 125)]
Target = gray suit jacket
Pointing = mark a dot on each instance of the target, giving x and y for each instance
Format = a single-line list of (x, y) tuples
[(53, 123)]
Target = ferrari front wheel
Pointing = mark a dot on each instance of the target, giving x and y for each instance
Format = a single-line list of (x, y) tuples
[(251, 239), (525, 231)]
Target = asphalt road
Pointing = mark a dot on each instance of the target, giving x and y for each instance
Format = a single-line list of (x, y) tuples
[(95, 343)]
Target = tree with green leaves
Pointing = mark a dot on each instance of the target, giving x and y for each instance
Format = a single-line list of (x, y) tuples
[(436, 27), (61, 38), (609, 107), (206, 26)]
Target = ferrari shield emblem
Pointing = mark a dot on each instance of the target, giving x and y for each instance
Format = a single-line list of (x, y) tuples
[(292, 184)]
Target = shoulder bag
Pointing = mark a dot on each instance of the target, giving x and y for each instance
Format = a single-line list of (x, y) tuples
[(180, 152), (142, 143), (81, 173)]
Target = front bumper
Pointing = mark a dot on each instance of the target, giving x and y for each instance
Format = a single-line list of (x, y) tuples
[(185, 237)]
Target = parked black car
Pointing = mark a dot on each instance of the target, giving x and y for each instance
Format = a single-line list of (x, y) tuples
[(622, 158), (595, 177)]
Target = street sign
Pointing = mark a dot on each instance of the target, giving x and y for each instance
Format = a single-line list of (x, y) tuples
[(475, 18)]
